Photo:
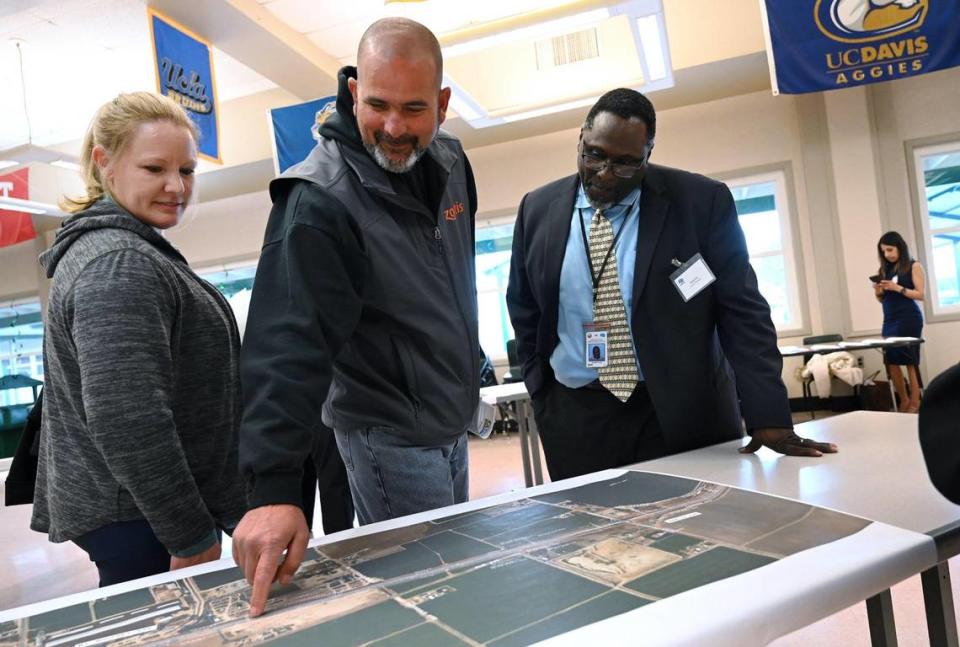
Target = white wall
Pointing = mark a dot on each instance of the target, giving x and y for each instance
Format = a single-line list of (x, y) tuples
[(223, 231), (858, 202), (19, 270)]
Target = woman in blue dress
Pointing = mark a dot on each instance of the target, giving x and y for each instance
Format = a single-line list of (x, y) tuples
[(899, 289)]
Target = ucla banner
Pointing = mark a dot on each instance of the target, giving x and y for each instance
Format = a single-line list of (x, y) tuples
[(296, 130), (815, 45), (184, 68)]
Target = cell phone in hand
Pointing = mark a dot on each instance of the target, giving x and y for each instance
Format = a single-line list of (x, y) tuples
[(875, 278)]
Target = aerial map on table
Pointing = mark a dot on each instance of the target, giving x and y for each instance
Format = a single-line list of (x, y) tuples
[(508, 574)]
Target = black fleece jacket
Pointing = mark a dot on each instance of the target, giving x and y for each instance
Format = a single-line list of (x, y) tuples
[(364, 306)]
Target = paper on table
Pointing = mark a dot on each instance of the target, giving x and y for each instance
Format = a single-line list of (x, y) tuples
[(860, 563), (830, 562), (486, 416), (825, 347)]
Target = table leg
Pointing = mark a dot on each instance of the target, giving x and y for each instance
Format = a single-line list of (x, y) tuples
[(534, 447), (938, 600), (883, 633), (524, 447), (893, 394)]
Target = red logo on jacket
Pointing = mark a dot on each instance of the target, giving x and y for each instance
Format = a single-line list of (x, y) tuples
[(454, 211)]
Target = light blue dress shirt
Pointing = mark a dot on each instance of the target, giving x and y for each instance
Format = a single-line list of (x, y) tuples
[(576, 285)]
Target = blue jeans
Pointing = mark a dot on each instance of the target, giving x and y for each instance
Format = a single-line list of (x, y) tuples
[(389, 477)]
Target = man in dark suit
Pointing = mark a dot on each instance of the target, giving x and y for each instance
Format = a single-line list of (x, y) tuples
[(650, 263), (939, 424)]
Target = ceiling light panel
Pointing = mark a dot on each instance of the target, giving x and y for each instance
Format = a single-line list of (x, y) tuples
[(490, 58), (529, 86), (652, 37)]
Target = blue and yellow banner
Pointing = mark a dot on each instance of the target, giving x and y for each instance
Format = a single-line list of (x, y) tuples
[(818, 45), (184, 71), (295, 130)]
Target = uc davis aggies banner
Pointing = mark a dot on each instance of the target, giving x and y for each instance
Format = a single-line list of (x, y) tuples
[(296, 130), (818, 45), (15, 226)]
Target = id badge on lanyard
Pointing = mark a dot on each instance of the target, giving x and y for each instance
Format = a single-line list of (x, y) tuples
[(595, 344)]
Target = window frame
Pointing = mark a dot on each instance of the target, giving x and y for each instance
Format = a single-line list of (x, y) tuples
[(782, 177), (482, 223), (916, 150), (235, 265)]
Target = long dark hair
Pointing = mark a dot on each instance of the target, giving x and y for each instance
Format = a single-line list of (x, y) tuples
[(904, 262)]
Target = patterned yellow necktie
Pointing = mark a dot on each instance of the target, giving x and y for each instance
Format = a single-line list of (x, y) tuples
[(619, 376)]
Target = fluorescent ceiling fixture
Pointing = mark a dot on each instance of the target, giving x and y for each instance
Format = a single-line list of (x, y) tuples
[(463, 109), (462, 103), (547, 110), (8, 163), (652, 44), (70, 166), (26, 153), (532, 32), (647, 30), (29, 206)]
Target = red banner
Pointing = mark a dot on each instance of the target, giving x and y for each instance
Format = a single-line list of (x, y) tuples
[(15, 226)]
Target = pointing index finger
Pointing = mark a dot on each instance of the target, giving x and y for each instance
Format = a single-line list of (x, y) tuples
[(263, 578)]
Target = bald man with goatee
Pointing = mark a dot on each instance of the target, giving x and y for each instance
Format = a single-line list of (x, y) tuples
[(364, 311)]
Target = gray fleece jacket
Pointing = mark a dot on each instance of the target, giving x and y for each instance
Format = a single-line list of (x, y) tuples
[(141, 388)]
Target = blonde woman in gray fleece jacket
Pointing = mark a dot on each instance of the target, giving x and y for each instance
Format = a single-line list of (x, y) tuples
[(138, 450)]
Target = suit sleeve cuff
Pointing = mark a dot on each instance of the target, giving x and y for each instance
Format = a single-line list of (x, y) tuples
[(778, 426), (276, 488)]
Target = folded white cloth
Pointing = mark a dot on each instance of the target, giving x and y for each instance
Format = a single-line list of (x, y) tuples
[(484, 418), (843, 365)]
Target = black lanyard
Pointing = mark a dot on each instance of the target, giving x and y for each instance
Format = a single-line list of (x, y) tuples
[(595, 278)]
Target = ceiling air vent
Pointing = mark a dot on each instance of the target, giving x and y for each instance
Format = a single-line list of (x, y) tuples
[(567, 49)]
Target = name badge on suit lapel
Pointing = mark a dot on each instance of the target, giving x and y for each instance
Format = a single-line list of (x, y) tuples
[(691, 277)]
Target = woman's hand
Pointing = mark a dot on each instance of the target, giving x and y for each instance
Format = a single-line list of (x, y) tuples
[(891, 286), (877, 290)]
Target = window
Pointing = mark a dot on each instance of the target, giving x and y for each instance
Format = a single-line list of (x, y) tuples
[(938, 174), (764, 215), (494, 243), (21, 347), (235, 282)]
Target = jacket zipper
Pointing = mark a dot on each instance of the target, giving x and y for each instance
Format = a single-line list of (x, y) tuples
[(474, 352)]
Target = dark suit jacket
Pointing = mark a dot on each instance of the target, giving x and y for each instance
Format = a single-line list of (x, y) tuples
[(939, 427), (696, 356)]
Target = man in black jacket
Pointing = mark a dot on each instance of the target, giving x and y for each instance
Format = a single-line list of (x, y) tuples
[(647, 265), (365, 291)]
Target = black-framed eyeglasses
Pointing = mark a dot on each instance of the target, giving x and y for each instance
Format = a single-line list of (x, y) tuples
[(597, 164)]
